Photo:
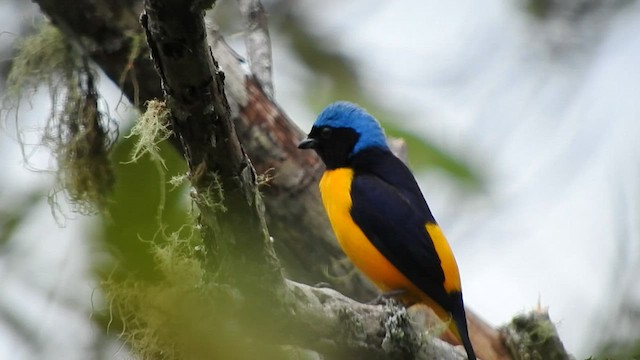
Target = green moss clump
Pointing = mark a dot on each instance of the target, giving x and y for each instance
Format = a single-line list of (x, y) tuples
[(184, 315), (533, 336), (78, 134), (147, 309)]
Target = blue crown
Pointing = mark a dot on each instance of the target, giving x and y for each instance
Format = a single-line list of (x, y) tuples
[(344, 114)]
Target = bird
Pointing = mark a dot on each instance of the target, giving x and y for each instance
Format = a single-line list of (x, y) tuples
[(381, 218)]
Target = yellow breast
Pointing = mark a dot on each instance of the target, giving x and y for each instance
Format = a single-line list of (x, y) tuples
[(335, 188)]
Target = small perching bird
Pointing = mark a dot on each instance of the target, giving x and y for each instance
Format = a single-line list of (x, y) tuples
[(381, 218)]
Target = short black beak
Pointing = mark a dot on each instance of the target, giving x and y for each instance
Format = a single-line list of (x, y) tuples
[(308, 143)]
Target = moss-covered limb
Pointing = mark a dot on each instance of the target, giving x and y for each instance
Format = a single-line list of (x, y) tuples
[(236, 236), (532, 336), (487, 341)]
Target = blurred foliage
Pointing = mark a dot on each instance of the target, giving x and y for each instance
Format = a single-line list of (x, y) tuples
[(181, 315), (620, 351), (143, 208)]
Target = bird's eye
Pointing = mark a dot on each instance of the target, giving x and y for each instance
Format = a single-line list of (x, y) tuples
[(326, 133)]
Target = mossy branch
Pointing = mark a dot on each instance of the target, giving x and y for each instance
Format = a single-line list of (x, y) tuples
[(223, 180)]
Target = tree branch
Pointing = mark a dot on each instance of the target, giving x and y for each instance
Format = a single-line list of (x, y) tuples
[(342, 327), (220, 172)]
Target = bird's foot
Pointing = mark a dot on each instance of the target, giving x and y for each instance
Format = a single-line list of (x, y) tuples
[(383, 298)]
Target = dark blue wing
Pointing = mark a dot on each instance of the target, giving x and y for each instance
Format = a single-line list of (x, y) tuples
[(389, 208)]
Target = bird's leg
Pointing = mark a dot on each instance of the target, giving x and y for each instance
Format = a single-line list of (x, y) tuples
[(385, 296)]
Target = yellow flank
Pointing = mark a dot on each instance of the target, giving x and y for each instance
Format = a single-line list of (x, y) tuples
[(447, 261)]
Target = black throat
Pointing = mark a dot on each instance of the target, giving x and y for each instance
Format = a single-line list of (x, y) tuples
[(335, 151)]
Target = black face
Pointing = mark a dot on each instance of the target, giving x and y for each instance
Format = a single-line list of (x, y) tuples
[(333, 145)]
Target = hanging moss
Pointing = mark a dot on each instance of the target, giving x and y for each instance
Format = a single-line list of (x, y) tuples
[(151, 129), (81, 144), (79, 135), (44, 58)]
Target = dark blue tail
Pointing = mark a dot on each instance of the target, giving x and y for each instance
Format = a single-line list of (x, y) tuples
[(460, 320)]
